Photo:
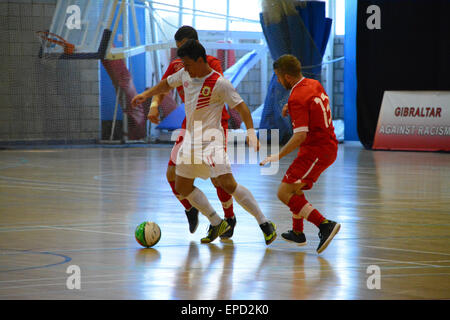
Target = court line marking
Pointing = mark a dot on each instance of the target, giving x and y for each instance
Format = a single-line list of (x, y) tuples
[(116, 275), (93, 231), (407, 250), (46, 227), (66, 259), (140, 280), (69, 184), (405, 262), (93, 190), (413, 274), (25, 224), (84, 276), (21, 162)]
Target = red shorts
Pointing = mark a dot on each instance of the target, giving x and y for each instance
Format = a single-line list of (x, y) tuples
[(177, 145), (308, 166)]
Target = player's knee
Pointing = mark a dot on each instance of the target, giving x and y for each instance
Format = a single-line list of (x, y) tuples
[(215, 182), (229, 185), (280, 194), (182, 189), (170, 173), (283, 194)]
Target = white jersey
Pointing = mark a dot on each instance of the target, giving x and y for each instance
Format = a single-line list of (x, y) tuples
[(204, 100)]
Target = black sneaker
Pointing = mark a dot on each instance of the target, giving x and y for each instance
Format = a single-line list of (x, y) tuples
[(192, 216), (215, 231), (268, 228), (293, 236), (327, 232), (231, 222)]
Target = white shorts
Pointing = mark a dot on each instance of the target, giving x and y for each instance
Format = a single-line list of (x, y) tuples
[(209, 162)]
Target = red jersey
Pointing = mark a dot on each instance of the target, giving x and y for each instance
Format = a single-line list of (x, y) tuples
[(309, 108), (215, 64)]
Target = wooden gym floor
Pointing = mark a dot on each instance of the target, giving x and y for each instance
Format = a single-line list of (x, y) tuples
[(80, 206)]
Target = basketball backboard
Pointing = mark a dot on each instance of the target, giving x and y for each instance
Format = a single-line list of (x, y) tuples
[(84, 24)]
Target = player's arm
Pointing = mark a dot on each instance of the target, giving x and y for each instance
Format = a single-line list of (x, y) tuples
[(300, 118), (294, 143), (246, 116), (153, 113), (160, 88), (234, 101)]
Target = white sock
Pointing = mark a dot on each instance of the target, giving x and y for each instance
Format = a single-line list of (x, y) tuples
[(246, 200), (198, 199)]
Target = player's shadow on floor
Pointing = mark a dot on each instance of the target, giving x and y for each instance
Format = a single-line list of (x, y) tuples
[(293, 269), (205, 274)]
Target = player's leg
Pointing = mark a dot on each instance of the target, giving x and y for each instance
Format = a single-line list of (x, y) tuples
[(191, 211), (285, 192), (185, 186), (301, 175), (225, 198), (170, 175), (227, 205), (246, 200)]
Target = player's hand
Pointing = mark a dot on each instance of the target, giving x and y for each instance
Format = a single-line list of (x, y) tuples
[(139, 99), (153, 115), (252, 139), (271, 158), (285, 110)]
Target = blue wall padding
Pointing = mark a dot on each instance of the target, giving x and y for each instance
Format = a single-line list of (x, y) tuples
[(137, 70), (174, 120)]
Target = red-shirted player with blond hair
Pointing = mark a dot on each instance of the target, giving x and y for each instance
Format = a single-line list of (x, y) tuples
[(183, 34), (309, 108)]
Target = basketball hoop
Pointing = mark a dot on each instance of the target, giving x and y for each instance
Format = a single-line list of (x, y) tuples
[(48, 37)]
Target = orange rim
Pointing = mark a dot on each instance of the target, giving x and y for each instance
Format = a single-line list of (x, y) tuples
[(48, 36)]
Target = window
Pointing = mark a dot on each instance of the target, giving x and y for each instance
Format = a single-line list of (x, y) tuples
[(340, 17), (206, 21), (248, 9)]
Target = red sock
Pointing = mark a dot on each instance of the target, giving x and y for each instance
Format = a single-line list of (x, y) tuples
[(299, 205), (316, 218), (185, 202), (297, 224), (227, 202)]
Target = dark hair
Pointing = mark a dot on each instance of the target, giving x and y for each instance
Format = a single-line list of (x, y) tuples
[(193, 50), (288, 64), (186, 32)]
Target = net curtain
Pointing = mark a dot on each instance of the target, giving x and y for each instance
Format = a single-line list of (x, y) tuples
[(292, 27)]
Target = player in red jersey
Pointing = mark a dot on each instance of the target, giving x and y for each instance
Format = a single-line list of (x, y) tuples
[(181, 36), (309, 108)]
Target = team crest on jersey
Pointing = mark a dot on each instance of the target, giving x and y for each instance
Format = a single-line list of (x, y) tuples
[(186, 84), (206, 91)]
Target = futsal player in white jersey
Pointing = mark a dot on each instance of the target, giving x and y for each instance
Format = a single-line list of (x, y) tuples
[(203, 152)]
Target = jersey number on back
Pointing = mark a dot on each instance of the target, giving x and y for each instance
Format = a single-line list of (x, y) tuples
[(326, 110)]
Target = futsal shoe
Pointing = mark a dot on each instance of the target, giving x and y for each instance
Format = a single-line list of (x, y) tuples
[(232, 223), (268, 228), (215, 231), (328, 230), (192, 216), (296, 237)]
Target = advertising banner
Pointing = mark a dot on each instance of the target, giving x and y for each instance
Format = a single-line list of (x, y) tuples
[(414, 120)]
